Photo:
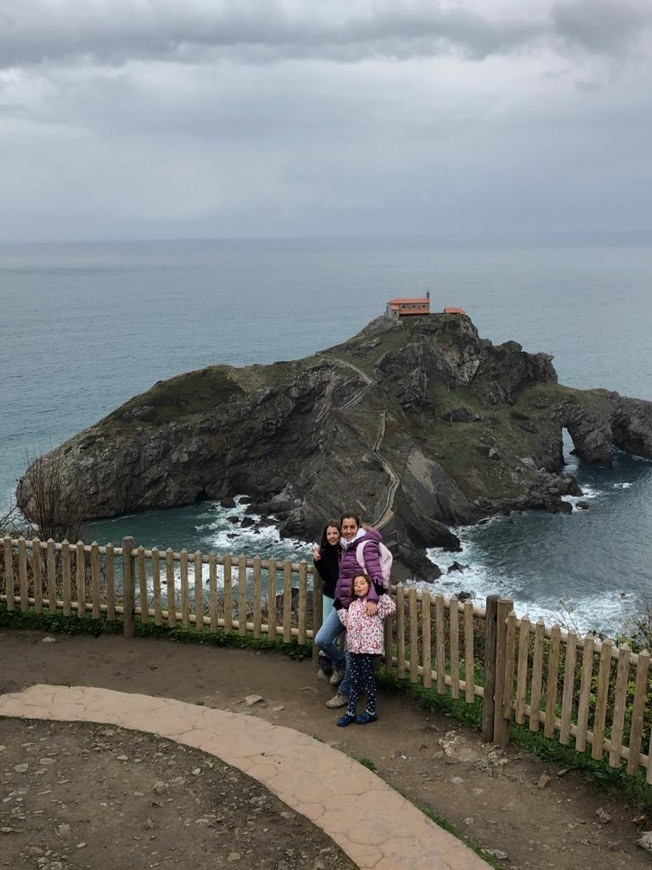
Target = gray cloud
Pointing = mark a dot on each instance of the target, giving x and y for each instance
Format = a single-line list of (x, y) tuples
[(41, 32), (37, 31), (603, 27), (192, 117)]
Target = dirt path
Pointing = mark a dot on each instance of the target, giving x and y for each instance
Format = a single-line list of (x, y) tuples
[(533, 813)]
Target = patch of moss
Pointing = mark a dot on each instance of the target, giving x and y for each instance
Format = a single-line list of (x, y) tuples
[(184, 395), (274, 375), (72, 625), (429, 699), (57, 623)]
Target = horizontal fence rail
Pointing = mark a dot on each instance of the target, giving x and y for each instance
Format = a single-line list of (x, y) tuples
[(583, 692)]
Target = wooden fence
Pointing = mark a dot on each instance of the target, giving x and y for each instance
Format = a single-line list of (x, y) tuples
[(581, 691), (263, 599)]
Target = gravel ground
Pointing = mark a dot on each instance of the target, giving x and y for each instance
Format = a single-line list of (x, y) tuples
[(92, 797)]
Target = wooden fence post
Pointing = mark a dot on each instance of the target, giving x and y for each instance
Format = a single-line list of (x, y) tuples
[(317, 612), (128, 589), (9, 573), (495, 727), (501, 702), (491, 613)]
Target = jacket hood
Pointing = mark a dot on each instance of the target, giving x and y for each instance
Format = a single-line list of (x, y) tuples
[(359, 535), (362, 535)]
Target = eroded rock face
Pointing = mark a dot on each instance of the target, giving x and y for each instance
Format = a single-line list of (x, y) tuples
[(416, 425)]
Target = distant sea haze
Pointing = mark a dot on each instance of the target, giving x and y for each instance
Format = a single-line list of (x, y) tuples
[(86, 326)]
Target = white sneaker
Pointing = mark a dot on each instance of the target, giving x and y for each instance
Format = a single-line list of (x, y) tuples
[(336, 677), (339, 700)]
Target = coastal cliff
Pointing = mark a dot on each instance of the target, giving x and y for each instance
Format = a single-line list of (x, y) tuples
[(417, 425)]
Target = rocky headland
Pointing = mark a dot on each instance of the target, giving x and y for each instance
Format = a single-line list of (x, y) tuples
[(417, 425)]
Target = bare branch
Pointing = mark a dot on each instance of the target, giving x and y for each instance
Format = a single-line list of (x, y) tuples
[(51, 515)]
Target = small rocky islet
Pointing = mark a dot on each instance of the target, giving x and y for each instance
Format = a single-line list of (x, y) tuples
[(417, 424)]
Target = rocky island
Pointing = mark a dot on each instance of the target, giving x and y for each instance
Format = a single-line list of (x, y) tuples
[(419, 425)]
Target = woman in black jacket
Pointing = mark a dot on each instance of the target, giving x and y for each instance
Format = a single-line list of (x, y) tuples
[(326, 559)]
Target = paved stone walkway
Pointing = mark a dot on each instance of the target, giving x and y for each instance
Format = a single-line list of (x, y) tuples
[(311, 777)]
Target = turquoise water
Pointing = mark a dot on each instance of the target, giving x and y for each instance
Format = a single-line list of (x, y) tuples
[(84, 327)]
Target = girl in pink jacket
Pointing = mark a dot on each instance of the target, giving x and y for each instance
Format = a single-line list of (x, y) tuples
[(364, 640)]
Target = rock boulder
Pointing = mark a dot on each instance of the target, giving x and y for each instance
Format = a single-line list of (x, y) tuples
[(417, 425)]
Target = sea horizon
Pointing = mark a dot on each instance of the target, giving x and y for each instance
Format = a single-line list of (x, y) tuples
[(627, 236)]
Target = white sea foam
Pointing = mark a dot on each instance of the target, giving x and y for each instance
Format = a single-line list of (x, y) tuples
[(622, 485), (220, 530), (588, 493), (474, 578), (606, 612), (224, 532)]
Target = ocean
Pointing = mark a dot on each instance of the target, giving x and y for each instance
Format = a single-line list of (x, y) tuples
[(84, 327)]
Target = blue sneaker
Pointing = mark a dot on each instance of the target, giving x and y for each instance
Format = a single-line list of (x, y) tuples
[(365, 718), (346, 719)]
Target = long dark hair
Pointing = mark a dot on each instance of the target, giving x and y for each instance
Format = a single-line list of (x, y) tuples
[(335, 524)]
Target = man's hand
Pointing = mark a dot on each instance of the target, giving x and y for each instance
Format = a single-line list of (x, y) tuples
[(372, 608)]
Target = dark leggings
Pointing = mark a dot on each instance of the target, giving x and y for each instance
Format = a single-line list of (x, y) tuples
[(362, 677)]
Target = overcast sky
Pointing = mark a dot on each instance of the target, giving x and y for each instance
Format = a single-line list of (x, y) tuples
[(213, 118)]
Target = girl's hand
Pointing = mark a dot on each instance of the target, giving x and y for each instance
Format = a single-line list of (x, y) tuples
[(372, 608), (316, 554)]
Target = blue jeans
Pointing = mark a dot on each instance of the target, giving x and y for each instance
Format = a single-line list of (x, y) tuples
[(326, 607), (325, 640)]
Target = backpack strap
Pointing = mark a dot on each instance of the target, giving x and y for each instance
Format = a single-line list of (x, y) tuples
[(359, 554)]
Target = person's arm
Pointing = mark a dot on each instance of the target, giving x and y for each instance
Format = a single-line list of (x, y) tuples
[(386, 606), (318, 570), (371, 553)]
